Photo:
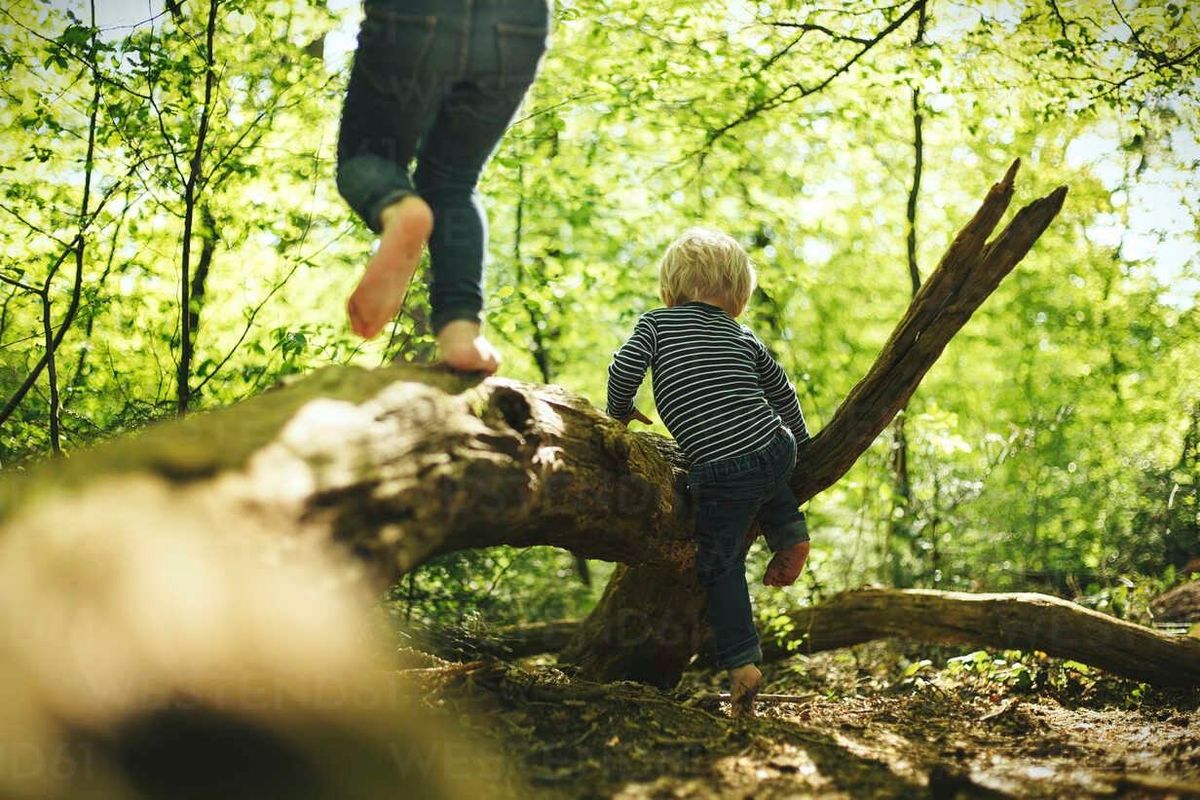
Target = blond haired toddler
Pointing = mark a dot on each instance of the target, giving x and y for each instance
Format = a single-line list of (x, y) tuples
[(735, 416)]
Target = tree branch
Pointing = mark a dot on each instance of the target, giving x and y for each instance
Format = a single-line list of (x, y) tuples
[(969, 271), (66, 53), (781, 97), (812, 26), (19, 285)]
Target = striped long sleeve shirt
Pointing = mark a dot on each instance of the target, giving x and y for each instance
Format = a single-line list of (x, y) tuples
[(716, 387)]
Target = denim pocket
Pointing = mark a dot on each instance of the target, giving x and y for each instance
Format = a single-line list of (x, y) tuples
[(392, 48), (519, 50)]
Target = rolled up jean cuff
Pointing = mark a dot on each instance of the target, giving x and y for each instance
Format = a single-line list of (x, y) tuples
[(788, 536), (374, 218), (370, 184), (750, 654), (444, 316)]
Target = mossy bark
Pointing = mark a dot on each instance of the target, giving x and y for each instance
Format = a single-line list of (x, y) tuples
[(396, 465)]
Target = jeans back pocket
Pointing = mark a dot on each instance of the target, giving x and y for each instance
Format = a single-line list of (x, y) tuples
[(393, 50), (519, 50)]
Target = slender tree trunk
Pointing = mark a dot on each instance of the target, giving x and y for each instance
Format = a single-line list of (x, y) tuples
[(209, 239), (22, 391), (80, 370), (52, 340), (190, 196), (899, 522), (541, 354), (52, 376)]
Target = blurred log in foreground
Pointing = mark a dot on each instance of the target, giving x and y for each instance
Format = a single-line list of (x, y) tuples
[(154, 646)]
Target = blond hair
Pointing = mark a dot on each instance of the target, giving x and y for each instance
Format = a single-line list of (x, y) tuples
[(704, 264)]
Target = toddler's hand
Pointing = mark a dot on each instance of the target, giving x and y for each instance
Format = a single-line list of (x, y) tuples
[(639, 416)]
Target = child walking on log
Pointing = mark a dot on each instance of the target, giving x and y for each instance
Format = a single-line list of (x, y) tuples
[(435, 83), (734, 414)]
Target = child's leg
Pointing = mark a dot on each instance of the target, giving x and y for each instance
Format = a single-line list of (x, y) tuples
[(786, 532), (394, 91), (471, 120), (721, 569)]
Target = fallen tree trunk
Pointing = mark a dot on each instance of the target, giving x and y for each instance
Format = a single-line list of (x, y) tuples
[(399, 464), (1181, 604), (1011, 621), (1017, 621)]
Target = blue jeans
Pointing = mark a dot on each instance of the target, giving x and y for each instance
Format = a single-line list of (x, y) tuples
[(729, 495), (436, 83)]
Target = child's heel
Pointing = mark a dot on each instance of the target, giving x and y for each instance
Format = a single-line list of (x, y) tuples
[(744, 683)]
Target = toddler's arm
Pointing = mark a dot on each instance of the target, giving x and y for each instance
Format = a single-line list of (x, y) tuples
[(629, 368), (780, 393)]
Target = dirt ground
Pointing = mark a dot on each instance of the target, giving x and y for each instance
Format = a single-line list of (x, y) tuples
[(875, 721)]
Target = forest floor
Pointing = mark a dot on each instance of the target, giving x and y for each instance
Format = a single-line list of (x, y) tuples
[(875, 721)]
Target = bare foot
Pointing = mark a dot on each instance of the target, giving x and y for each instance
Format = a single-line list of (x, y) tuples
[(465, 349), (744, 682), (786, 565), (380, 294)]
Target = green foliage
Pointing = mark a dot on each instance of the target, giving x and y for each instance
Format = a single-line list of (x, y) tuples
[(476, 590), (1054, 443), (1008, 672), (983, 672)]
